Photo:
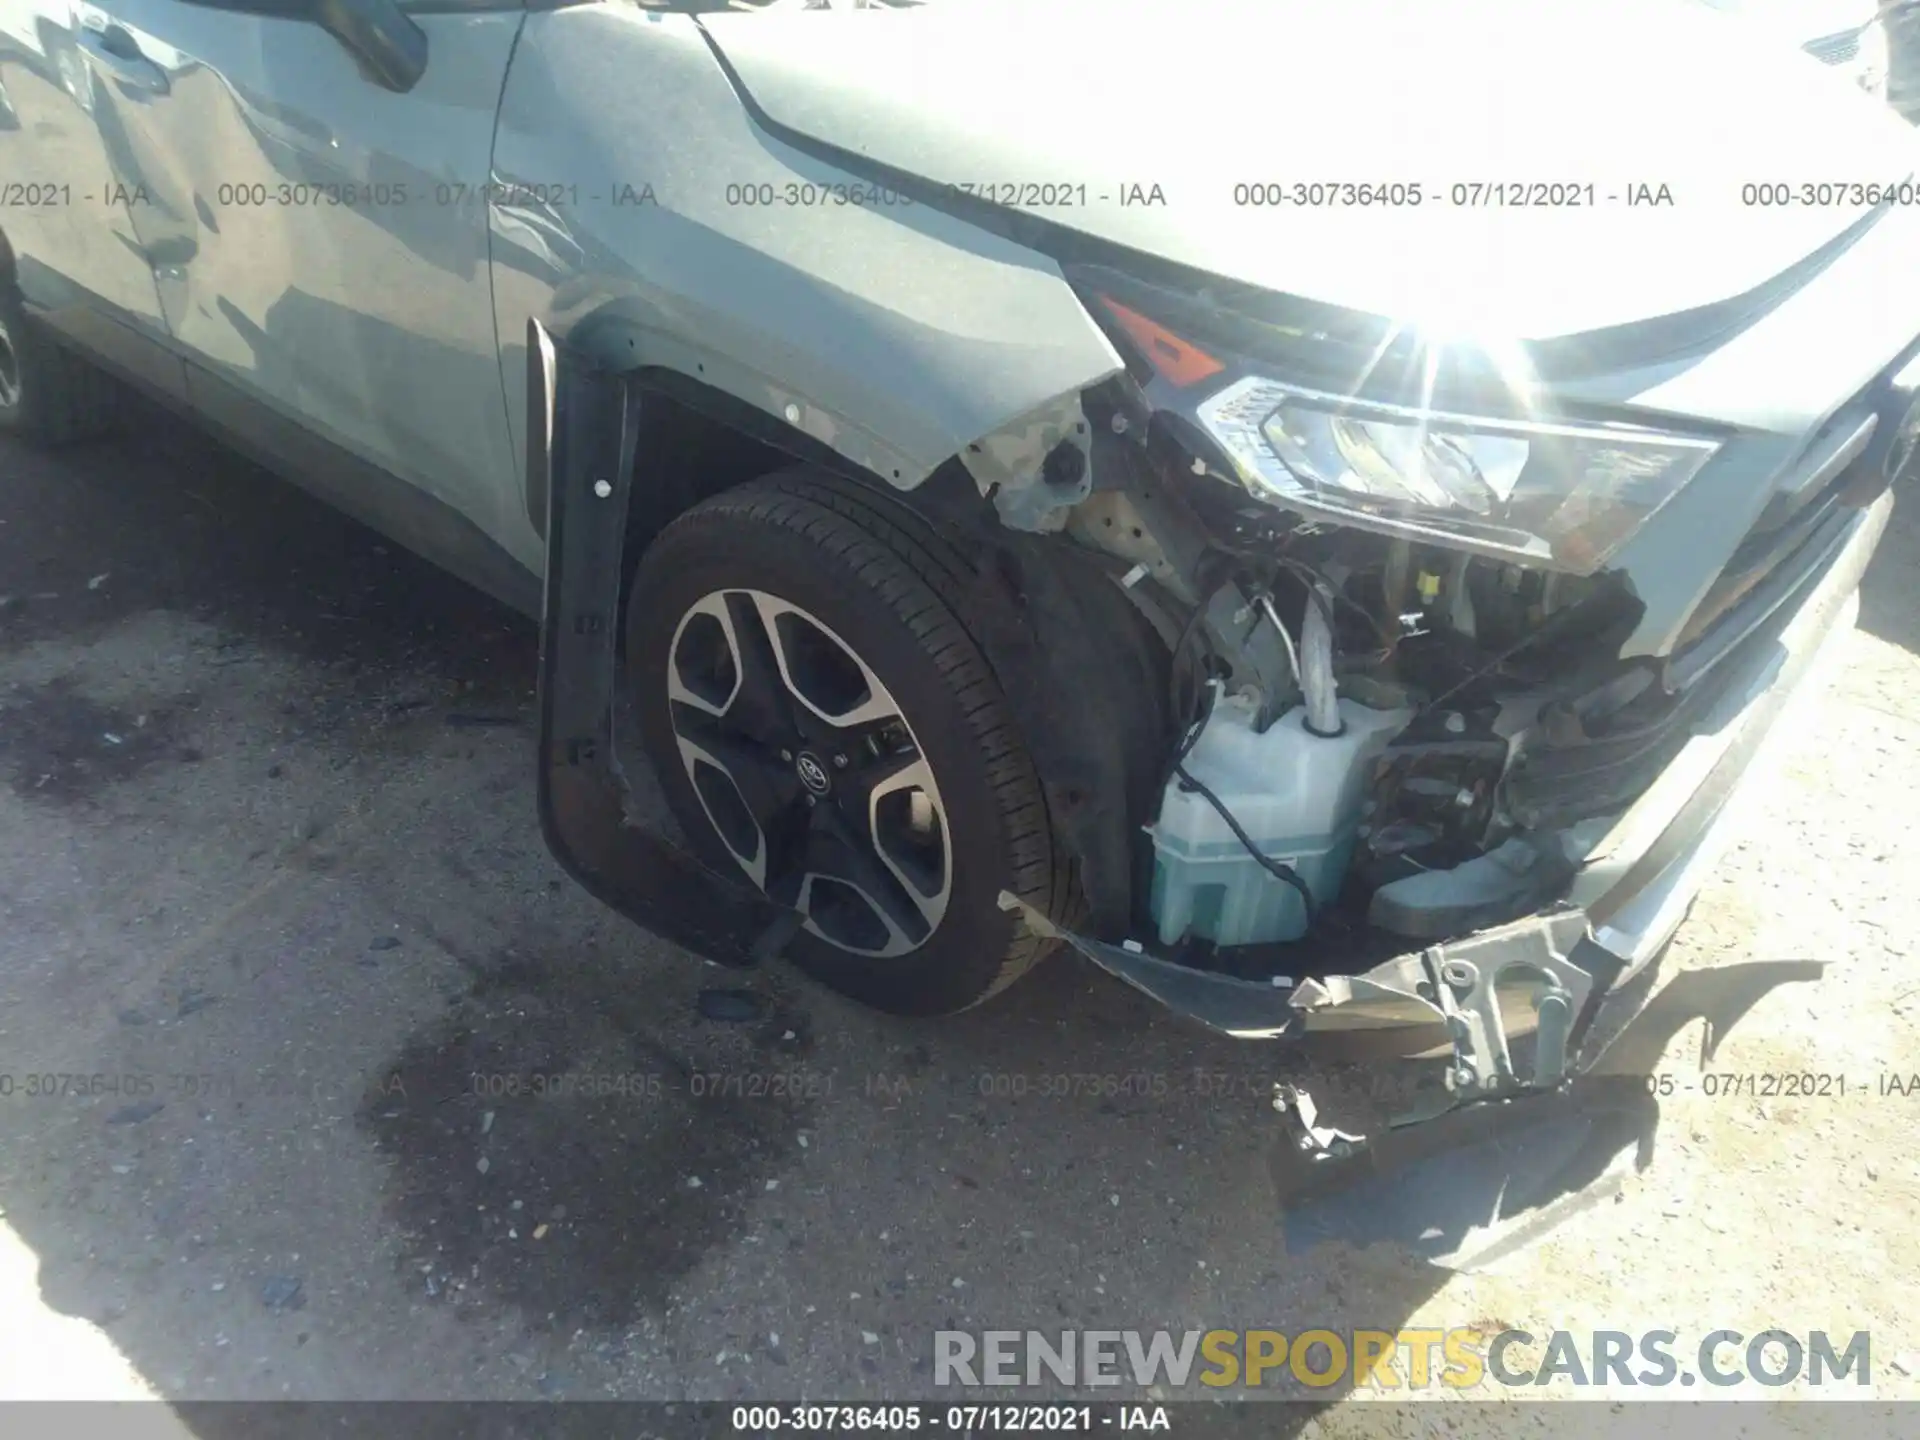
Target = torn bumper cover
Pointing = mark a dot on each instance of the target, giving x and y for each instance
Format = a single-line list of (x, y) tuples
[(1551, 973)]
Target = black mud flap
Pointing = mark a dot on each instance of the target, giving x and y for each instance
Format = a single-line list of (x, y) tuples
[(581, 424)]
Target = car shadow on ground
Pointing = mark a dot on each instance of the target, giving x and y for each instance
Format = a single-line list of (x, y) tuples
[(1043, 1107)]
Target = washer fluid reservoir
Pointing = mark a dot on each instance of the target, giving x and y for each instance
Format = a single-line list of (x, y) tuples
[(1295, 793)]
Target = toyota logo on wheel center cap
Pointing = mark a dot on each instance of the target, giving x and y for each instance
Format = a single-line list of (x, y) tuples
[(813, 774)]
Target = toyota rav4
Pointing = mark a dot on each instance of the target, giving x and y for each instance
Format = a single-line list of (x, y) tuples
[(1313, 506)]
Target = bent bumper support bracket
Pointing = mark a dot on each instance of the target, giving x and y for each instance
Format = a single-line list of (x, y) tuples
[(1553, 965), (1466, 986), (581, 423)]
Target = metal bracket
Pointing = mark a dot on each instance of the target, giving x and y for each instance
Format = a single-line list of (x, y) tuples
[(1459, 985), (1036, 469), (1465, 982), (1301, 1116), (1482, 1060)]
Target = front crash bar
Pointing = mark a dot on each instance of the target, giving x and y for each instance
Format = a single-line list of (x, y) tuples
[(582, 422)]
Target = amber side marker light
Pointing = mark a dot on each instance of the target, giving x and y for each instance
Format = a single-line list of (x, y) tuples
[(1172, 358)]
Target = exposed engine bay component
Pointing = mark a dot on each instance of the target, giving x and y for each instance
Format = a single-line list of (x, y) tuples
[(1036, 469), (1294, 793), (1431, 802), (1597, 751), (1480, 998), (1136, 514), (1513, 879), (1363, 764), (1399, 689), (1451, 668), (1255, 647), (1316, 662)]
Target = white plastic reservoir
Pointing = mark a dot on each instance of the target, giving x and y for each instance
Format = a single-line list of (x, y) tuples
[(1296, 794)]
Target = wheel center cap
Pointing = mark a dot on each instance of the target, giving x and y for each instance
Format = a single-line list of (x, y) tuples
[(812, 773)]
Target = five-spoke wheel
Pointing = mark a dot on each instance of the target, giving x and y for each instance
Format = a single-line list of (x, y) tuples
[(824, 725), (809, 772)]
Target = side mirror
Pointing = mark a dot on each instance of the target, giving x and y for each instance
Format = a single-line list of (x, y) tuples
[(390, 48)]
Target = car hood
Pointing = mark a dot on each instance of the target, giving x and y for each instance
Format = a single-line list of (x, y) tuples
[(1141, 123)]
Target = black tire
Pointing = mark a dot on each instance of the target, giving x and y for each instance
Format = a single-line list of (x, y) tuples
[(48, 394), (887, 585)]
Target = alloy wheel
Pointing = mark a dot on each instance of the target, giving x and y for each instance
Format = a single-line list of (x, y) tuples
[(809, 772)]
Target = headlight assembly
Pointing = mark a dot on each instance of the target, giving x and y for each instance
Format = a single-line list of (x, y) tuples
[(1559, 495)]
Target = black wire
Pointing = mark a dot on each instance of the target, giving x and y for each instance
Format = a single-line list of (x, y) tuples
[(1547, 629), (1279, 869), (1180, 705), (1311, 575)]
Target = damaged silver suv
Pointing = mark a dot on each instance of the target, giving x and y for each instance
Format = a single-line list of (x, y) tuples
[(1314, 506)]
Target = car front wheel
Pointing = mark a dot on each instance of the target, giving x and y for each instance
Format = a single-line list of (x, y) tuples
[(823, 724)]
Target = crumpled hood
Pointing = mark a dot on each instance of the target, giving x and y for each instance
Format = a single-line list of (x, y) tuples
[(1103, 100)]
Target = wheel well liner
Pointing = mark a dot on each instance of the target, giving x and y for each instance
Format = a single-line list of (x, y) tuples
[(693, 441), (1081, 669)]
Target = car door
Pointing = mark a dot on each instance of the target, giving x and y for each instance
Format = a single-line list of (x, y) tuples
[(323, 248), (64, 200)]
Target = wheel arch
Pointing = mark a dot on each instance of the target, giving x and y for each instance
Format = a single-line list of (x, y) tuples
[(1064, 643), (708, 408), (694, 440)]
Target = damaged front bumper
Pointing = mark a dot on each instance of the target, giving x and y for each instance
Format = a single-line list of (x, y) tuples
[(1550, 974)]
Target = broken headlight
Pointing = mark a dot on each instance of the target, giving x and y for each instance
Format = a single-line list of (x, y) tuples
[(1560, 495)]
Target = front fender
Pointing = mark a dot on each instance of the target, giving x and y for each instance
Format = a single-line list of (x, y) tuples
[(640, 215)]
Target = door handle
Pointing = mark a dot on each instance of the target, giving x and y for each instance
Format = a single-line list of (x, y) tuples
[(119, 54)]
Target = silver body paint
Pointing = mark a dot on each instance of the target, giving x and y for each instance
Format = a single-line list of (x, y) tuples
[(596, 168), (892, 332), (309, 261)]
